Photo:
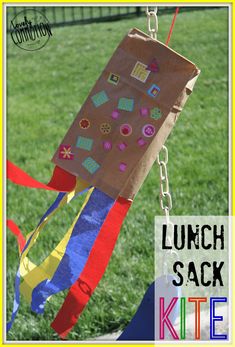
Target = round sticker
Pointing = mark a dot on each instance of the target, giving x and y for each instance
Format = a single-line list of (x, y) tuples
[(122, 167), (125, 129), (156, 113), (107, 145), (122, 146), (148, 130), (115, 114), (105, 128), (84, 123)]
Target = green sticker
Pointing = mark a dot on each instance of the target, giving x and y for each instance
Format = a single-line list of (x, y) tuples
[(99, 98), (126, 104), (91, 165), (155, 113), (84, 143)]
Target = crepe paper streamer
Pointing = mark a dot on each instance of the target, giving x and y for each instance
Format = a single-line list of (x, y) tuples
[(24, 262), (61, 180), (48, 267), (97, 262), (15, 230), (27, 265), (77, 251)]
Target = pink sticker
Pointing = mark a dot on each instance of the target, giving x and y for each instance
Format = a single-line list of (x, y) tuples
[(107, 145), (144, 111), (115, 114), (125, 129), (148, 130), (141, 142), (153, 66), (122, 167), (122, 146)]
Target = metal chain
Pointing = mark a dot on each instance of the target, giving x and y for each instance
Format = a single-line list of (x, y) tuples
[(165, 195), (152, 17), (165, 201)]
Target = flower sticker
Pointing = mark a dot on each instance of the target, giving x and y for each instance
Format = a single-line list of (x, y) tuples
[(148, 130), (125, 129), (84, 123), (65, 152), (105, 128)]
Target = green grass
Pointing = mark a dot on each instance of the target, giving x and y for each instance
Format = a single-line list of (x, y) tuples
[(46, 88)]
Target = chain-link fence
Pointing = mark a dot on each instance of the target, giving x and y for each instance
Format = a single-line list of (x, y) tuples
[(71, 15)]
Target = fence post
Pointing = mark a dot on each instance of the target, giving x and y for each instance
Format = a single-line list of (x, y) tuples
[(138, 11)]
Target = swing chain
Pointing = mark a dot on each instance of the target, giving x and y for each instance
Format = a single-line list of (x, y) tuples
[(152, 17), (165, 195), (165, 200)]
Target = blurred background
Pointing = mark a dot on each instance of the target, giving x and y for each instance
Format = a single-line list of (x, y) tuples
[(45, 90)]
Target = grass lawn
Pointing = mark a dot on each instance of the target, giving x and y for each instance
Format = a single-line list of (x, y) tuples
[(46, 88)]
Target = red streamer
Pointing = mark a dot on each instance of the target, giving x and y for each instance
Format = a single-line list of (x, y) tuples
[(81, 291), (16, 231), (61, 180)]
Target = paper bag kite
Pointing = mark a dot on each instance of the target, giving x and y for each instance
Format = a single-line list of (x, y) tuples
[(107, 153)]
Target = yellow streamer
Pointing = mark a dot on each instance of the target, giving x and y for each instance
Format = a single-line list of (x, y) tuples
[(33, 274)]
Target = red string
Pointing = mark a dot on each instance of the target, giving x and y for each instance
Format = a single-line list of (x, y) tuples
[(172, 26)]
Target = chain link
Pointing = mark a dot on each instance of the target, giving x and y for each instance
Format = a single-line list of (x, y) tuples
[(152, 18), (165, 195), (165, 202)]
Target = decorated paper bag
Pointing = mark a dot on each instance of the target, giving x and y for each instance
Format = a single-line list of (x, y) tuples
[(127, 116)]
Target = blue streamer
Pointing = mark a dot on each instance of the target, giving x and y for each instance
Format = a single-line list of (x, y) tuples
[(77, 251), (52, 207), (16, 302)]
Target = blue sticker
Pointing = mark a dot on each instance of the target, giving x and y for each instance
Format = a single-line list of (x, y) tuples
[(153, 91)]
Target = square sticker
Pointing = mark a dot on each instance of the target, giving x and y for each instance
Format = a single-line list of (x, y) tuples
[(113, 78), (126, 104), (84, 143), (140, 72), (99, 98), (153, 91), (90, 165)]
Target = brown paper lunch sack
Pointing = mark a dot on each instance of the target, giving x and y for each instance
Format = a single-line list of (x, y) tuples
[(126, 118)]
